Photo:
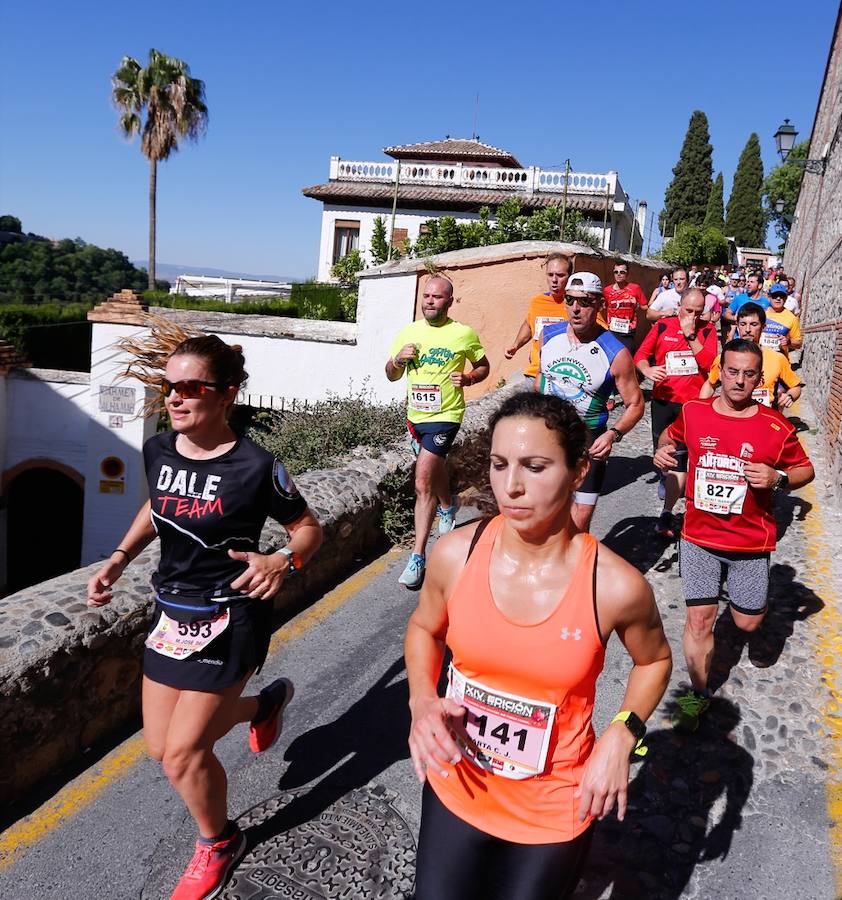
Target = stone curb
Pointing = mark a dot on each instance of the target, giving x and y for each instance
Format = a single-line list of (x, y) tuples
[(70, 675)]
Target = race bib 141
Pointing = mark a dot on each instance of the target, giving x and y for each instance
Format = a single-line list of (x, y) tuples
[(504, 734)]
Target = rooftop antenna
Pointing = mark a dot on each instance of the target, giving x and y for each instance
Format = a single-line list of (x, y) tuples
[(474, 135)]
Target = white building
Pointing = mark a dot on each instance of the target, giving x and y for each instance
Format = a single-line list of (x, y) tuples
[(228, 288), (457, 177)]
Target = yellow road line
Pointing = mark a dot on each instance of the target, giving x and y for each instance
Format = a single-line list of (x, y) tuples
[(828, 637), (82, 792)]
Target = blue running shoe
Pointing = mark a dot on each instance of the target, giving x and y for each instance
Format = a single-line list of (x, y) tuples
[(447, 518), (413, 574)]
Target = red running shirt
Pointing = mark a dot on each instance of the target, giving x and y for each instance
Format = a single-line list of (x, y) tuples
[(622, 303), (718, 443), (665, 344)]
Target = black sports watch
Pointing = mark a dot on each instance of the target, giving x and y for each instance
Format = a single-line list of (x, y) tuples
[(633, 722), (782, 483), (618, 434)]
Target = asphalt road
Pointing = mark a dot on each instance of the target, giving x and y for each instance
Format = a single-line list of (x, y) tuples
[(712, 818)]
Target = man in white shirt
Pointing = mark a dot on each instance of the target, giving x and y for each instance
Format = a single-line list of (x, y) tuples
[(667, 302)]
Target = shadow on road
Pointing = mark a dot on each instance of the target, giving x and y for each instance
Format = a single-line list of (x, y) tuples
[(685, 803), (635, 540), (790, 601), (625, 470), (345, 754), (790, 508)]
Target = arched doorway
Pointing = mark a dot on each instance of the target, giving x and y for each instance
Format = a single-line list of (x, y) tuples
[(43, 526)]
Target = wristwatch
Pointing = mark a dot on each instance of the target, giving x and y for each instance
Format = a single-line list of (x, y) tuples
[(632, 721), (689, 337), (618, 434), (783, 481), (294, 560)]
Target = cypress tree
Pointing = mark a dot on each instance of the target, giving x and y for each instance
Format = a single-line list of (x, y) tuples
[(687, 196), (746, 219), (715, 215)]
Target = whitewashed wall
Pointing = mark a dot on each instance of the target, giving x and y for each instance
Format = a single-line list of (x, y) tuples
[(411, 219), (46, 418)]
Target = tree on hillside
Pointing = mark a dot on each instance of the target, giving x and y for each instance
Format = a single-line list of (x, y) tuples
[(686, 198), (10, 223), (715, 215), (162, 103), (784, 183), (746, 219)]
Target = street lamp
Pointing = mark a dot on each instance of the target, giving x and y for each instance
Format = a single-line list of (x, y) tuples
[(785, 140), (779, 206)]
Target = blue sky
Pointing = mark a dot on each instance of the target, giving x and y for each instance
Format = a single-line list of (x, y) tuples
[(611, 85)]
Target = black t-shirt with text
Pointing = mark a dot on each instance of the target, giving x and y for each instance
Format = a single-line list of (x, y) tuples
[(202, 508)]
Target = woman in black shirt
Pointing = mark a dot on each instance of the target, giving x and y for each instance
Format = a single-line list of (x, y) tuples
[(210, 493)]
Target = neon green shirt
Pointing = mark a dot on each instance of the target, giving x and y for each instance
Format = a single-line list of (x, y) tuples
[(431, 396)]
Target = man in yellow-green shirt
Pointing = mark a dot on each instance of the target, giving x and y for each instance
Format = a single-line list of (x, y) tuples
[(433, 352)]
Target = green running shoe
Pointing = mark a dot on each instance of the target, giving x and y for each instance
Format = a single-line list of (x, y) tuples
[(690, 708)]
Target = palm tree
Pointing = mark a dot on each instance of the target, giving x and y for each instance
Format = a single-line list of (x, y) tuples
[(174, 104)]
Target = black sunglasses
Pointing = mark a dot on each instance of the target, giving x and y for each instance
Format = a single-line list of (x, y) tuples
[(584, 302), (190, 388)]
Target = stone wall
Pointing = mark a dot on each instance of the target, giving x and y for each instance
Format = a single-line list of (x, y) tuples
[(814, 257), (70, 675)]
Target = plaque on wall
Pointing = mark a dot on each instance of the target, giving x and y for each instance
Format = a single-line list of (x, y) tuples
[(113, 399)]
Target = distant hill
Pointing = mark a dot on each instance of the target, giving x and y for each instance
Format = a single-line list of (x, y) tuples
[(170, 271)]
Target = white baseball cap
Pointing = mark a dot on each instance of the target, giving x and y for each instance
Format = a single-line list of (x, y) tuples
[(585, 282)]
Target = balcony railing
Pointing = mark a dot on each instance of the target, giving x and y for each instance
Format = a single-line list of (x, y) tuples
[(481, 177)]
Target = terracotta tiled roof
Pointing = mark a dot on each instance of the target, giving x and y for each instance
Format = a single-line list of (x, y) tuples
[(454, 148), (430, 197)]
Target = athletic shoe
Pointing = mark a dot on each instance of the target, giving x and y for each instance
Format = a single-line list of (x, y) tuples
[(447, 518), (413, 574), (276, 696), (665, 526), (690, 707), (662, 487), (210, 868)]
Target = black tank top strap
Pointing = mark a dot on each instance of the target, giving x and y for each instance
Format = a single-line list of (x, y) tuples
[(483, 524)]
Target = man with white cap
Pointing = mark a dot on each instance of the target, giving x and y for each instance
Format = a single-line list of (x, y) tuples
[(583, 363)]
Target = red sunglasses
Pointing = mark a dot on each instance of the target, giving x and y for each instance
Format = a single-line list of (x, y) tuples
[(190, 388)]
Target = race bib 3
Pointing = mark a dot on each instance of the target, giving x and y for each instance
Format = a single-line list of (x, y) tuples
[(681, 362)]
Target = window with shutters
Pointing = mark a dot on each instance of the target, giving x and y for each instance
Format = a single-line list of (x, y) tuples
[(346, 237), (399, 236)]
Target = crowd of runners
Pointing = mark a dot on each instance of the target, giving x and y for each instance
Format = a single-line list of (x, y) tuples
[(521, 605)]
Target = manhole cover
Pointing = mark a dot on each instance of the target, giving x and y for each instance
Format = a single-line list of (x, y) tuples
[(307, 845)]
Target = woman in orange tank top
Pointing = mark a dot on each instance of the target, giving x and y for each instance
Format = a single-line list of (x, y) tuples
[(514, 775)]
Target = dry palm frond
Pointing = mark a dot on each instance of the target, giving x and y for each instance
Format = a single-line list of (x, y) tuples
[(149, 355)]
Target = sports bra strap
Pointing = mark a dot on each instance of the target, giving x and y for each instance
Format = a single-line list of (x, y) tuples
[(483, 524)]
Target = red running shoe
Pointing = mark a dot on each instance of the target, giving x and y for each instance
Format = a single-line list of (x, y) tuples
[(264, 733), (210, 868)]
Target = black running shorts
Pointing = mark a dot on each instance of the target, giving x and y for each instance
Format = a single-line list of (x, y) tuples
[(239, 650)]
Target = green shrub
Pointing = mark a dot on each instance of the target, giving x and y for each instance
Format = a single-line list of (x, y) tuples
[(320, 435), (317, 300), (397, 494), (50, 335), (268, 306)]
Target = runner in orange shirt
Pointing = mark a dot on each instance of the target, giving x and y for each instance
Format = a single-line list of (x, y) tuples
[(515, 776), (544, 309)]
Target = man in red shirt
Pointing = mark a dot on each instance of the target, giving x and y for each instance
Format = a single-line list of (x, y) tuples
[(740, 454), (676, 354), (622, 300)]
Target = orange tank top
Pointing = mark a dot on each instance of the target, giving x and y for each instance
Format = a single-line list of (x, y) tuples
[(555, 661)]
